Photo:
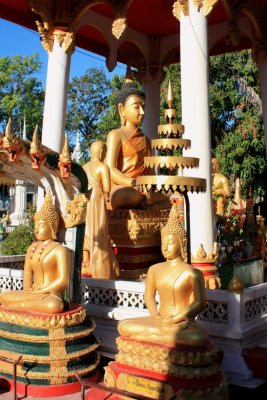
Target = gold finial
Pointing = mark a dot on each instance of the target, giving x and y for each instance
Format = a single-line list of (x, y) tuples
[(65, 154), (236, 285), (8, 132), (175, 227), (35, 144), (170, 97), (48, 213)]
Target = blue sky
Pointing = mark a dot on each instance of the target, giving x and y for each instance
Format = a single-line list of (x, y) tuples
[(18, 40)]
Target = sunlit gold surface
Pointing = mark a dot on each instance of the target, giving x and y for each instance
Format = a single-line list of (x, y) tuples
[(46, 269), (175, 129), (165, 144), (172, 183), (182, 296), (126, 149), (12, 144), (75, 211), (220, 189), (136, 227), (171, 161), (103, 263)]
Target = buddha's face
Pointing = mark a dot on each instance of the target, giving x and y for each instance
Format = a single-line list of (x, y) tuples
[(170, 246), (42, 229), (134, 110)]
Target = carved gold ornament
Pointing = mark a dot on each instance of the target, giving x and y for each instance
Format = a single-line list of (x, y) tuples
[(183, 6), (180, 6), (118, 27), (75, 211)]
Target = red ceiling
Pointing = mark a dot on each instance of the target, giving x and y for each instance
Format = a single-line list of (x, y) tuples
[(150, 17)]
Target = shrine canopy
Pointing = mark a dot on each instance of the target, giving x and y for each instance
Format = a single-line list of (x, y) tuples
[(141, 32)]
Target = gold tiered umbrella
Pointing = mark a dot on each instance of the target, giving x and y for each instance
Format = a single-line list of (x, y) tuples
[(172, 179)]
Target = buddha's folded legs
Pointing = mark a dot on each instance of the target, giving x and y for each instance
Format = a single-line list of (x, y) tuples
[(22, 300), (146, 329)]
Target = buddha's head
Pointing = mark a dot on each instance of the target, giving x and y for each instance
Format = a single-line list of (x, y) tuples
[(130, 102), (46, 220), (173, 236)]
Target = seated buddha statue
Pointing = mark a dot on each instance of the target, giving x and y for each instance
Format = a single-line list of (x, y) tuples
[(181, 290), (46, 269), (127, 147)]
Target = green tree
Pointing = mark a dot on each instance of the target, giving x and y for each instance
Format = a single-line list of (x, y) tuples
[(87, 104), (236, 120), (21, 93), (111, 118)]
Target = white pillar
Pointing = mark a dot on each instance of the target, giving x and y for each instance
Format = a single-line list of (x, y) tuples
[(56, 96), (151, 121), (263, 85), (196, 119), (20, 212)]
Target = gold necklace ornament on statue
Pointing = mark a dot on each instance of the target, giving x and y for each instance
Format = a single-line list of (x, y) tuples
[(41, 250)]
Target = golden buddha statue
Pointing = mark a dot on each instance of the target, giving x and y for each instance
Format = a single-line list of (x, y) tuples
[(182, 295), (102, 262), (46, 269), (127, 147), (220, 189)]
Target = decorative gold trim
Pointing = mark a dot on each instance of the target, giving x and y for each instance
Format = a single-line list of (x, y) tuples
[(51, 321), (180, 6), (172, 355), (202, 257), (208, 6), (44, 339), (170, 144), (171, 161), (49, 375), (165, 367), (170, 183), (167, 129), (75, 211), (66, 40), (51, 358), (118, 27)]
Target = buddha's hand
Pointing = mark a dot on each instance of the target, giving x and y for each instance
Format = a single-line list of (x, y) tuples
[(171, 320)]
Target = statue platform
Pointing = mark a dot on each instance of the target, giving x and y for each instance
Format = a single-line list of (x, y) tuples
[(48, 348), (135, 236), (161, 372)]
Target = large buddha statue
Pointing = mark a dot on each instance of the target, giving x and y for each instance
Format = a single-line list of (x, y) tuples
[(127, 147), (46, 269), (181, 291)]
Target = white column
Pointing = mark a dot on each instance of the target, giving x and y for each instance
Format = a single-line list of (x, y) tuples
[(263, 85), (56, 97), (151, 121), (196, 119), (20, 212)]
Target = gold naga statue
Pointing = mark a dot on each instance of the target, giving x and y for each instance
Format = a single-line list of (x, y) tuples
[(46, 269), (168, 352)]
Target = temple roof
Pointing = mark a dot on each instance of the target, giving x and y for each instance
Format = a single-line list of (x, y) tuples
[(233, 24)]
